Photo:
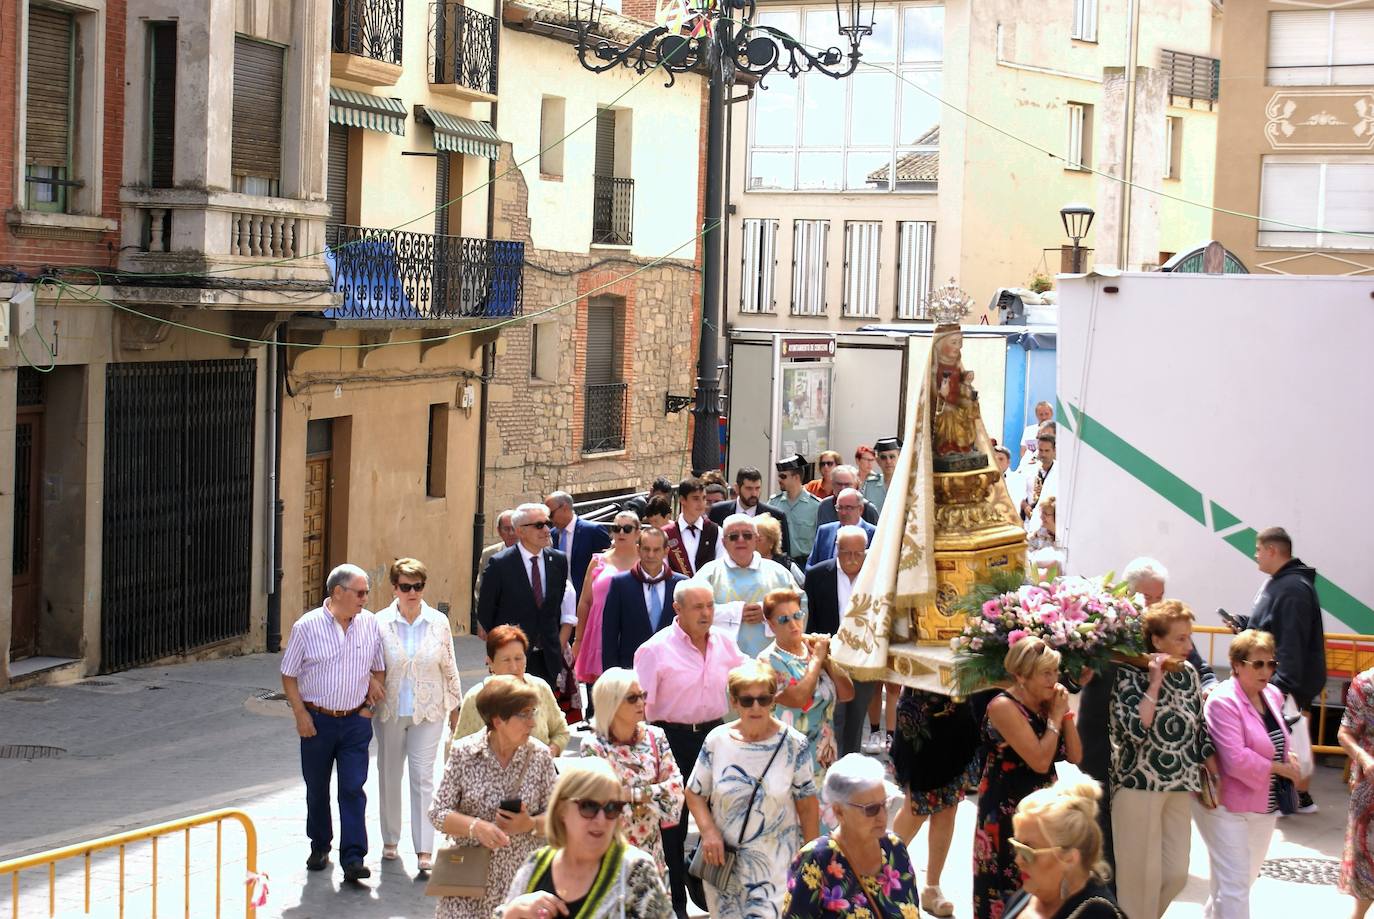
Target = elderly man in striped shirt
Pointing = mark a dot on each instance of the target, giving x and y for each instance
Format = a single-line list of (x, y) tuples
[(333, 674)]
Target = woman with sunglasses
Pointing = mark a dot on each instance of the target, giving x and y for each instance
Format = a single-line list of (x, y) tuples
[(1058, 849), (1026, 729), (422, 689), (619, 558), (810, 683), (1245, 717), (756, 759), (860, 865), (587, 871), (641, 758)]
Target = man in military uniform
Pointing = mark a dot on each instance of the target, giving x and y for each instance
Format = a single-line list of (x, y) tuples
[(799, 506)]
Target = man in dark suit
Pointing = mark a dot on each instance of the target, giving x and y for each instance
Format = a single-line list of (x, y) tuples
[(844, 477), (527, 585), (692, 537), (828, 586), (748, 501), (574, 537), (639, 602), (849, 504)]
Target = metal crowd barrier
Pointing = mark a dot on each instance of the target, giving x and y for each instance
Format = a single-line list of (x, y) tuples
[(84, 851), (1347, 654)]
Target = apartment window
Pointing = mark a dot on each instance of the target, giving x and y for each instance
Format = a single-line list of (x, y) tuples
[(1084, 20), (1079, 152), (1321, 48), (873, 132), (544, 351), (162, 102), (51, 109), (255, 152), (862, 247), (915, 267), (436, 451), (552, 112), (1173, 147), (604, 400), (1332, 194), (336, 182), (612, 188), (760, 264), (809, 239)]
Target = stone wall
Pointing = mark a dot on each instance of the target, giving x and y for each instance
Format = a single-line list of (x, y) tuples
[(535, 427)]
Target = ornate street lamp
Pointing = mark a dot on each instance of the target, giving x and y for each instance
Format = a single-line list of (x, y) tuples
[(718, 36), (1077, 219)]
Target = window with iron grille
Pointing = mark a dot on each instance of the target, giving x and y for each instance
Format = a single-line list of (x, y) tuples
[(255, 152), (50, 109), (1079, 152), (605, 395), (862, 248), (809, 241), (1084, 20), (1321, 48), (759, 254), (915, 267)]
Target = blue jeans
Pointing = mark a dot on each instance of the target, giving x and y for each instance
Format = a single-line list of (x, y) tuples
[(343, 742)]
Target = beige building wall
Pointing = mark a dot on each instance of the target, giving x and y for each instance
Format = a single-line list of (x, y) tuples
[(1013, 65), (1290, 124)]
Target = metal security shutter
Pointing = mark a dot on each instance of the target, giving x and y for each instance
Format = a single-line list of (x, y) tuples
[(603, 320), (442, 167), (49, 108), (336, 184), (256, 149), (162, 102), (760, 258), (862, 248), (605, 143), (809, 239), (915, 267)]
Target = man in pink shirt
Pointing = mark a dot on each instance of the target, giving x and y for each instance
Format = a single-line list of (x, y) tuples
[(684, 669)]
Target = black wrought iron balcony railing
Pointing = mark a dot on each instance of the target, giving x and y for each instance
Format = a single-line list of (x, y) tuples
[(369, 28), (393, 274), (1192, 76), (463, 46), (605, 408), (613, 210)]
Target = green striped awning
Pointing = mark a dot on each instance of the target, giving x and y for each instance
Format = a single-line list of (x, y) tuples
[(360, 110), (460, 135)]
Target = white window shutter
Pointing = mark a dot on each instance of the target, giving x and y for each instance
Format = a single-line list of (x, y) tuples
[(1291, 193), (809, 239), (1084, 20), (915, 267), (862, 250), (759, 257), (1074, 154)]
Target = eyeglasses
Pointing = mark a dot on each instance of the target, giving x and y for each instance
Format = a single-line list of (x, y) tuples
[(407, 588), (635, 698), (785, 618), (751, 701), (527, 715), (360, 591), (740, 537), (824, 463), (1262, 665), (537, 524), (589, 809), (869, 810), (1024, 853)]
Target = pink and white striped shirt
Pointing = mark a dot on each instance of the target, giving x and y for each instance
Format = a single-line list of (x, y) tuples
[(332, 666)]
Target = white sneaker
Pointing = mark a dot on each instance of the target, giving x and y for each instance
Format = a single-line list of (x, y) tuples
[(876, 742)]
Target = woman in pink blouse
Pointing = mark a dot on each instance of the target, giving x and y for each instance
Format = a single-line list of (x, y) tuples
[(640, 755), (619, 558)]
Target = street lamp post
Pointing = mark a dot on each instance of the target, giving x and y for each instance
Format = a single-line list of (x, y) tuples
[(724, 41), (1077, 219)]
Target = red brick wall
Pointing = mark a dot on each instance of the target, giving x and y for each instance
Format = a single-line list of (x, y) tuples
[(31, 255), (597, 284), (639, 9)]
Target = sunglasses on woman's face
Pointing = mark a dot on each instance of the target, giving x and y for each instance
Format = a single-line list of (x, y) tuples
[(785, 618), (1027, 854), (407, 588), (589, 809), (751, 701), (626, 528), (1262, 665), (635, 698), (869, 810)]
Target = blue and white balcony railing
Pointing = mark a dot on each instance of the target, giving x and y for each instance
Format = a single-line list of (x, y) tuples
[(394, 274)]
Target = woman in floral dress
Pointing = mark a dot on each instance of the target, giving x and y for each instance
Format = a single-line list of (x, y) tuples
[(642, 760), (1357, 737), (859, 871), (1026, 729), (809, 683)]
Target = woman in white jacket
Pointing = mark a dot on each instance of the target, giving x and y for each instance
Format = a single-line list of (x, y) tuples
[(422, 687)]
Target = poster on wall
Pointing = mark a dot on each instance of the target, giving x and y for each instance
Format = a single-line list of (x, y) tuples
[(805, 412)]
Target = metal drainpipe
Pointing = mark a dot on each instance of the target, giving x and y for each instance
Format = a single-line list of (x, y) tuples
[(1128, 158), (277, 368), (479, 518)]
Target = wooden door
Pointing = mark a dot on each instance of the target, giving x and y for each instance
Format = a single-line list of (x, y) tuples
[(28, 532), (317, 482)]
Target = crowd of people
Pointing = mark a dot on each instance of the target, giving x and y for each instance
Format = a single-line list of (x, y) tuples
[(690, 639)]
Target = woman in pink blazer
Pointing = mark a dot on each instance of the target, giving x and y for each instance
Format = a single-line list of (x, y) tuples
[(1244, 716)]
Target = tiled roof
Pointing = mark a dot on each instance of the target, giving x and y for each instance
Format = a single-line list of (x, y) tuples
[(921, 166), (613, 26)]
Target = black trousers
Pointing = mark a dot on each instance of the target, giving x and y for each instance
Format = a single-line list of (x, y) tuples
[(686, 747)]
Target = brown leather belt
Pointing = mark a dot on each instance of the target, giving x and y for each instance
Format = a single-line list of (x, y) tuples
[(701, 727), (331, 712)]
